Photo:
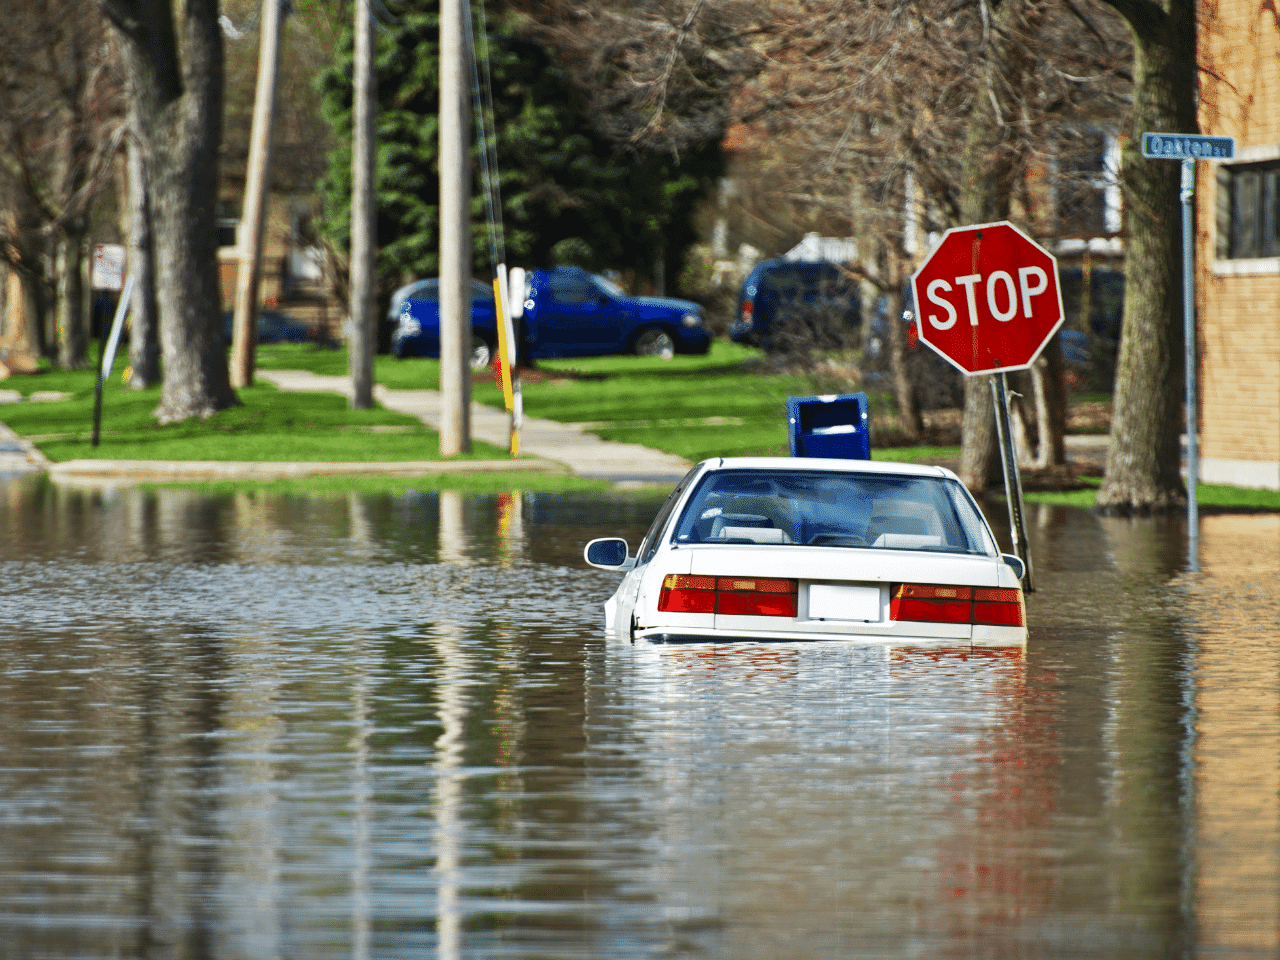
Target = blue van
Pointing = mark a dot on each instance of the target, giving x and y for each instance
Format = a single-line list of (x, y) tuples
[(793, 287)]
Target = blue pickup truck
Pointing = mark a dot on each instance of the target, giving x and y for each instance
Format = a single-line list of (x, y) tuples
[(567, 312)]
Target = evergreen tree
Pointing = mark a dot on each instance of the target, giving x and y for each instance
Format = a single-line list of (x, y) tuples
[(568, 194)]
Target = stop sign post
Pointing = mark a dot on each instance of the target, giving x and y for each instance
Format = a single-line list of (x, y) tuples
[(988, 300)]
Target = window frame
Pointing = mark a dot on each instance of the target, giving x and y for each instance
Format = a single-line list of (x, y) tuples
[(1248, 211)]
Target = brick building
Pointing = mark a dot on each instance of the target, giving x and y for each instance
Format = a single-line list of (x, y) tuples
[(1238, 252)]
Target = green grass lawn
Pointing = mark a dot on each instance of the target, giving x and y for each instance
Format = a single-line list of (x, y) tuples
[(1211, 496), (270, 425)]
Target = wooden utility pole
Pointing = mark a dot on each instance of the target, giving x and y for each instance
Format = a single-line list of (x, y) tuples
[(245, 331), (455, 234), (361, 342)]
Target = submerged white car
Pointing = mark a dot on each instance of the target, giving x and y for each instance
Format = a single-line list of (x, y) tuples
[(791, 548)]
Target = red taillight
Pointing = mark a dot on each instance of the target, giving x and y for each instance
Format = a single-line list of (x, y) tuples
[(932, 604), (928, 603), (748, 308), (682, 593), (1000, 607), (731, 596), (755, 597)]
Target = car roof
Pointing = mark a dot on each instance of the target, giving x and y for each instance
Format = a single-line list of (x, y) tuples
[(431, 284), (826, 464)]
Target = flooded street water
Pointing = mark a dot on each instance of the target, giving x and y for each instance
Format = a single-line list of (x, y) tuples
[(251, 726)]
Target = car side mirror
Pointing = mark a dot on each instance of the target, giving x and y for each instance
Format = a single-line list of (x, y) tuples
[(1019, 568), (609, 553)]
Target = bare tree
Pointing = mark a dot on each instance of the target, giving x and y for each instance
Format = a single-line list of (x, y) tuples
[(60, 122), (659, 76), (917, 117), (176, 66)]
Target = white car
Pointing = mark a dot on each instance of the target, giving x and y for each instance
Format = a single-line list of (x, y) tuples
[(797, 548)]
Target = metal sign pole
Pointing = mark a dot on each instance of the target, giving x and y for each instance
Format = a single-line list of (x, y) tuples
[(108, 358), (1012, 478), (1187, 149), (1189, 352)]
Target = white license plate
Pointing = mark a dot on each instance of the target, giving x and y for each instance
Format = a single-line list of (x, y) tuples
[(832, 601)]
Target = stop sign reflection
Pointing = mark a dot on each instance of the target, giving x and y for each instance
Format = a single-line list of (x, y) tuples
[(987, 298)]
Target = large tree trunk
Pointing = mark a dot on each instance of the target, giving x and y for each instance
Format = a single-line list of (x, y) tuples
[(72, 315), (72, 240), (28, 300), (179, 103), (144, 325), (910, 420), (1144, 460)]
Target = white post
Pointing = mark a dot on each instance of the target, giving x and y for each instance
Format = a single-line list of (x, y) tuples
[(253, 217), (361, 343), (455, 234)]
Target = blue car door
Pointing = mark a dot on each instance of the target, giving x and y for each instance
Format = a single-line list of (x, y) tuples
[(576, 317)]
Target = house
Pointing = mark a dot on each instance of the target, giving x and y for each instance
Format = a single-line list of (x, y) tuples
[(293, 263), (1238, 245)]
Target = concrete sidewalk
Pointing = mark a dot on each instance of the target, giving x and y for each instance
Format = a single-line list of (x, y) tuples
[(565, 444)]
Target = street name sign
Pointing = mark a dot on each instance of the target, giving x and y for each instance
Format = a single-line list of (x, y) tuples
[(1187, 146), (987, 298)]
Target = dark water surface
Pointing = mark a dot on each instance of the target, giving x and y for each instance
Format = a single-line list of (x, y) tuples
[(386, 726)]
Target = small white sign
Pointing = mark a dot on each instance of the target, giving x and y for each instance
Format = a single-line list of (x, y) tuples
[(108, 266), (834, 601)]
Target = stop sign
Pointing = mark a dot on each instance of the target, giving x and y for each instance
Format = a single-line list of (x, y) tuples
[(987, 298)]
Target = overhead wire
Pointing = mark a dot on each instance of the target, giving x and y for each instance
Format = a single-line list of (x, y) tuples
[(487, 137), (482, 103)]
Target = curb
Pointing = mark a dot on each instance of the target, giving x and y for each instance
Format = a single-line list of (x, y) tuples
[(19, 455), (162, 471)]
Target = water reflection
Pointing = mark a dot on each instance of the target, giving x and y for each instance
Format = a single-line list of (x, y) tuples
[(377, 726)]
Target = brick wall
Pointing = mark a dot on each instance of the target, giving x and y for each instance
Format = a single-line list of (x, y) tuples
[(1238, 301)]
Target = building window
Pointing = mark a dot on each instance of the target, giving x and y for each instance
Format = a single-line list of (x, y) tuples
[(1248, 211), (228, 221), (1088, 188)]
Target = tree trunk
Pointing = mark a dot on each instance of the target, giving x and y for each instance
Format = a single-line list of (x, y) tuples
[(28, 299), (72, 317), (179, 106), (1143, 472), (1055, 400), (910, 421), (144, 326)]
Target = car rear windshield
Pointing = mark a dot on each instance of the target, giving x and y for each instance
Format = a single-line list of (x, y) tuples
[(823, 508)]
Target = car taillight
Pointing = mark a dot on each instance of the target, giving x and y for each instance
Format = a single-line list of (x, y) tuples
[(930, 603), (756, 597), (682, 593), (748, 308), (1000, 607), (731, 596)]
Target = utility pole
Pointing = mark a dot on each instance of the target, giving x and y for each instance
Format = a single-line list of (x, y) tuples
[(252, 219), (455, 233), (360, 340)]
